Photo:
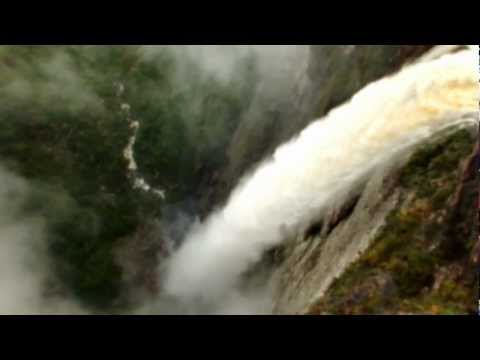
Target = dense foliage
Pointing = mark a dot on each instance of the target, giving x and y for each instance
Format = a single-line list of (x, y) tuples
[(62, 127), (420, 262)]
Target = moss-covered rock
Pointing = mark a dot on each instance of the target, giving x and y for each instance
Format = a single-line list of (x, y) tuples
[(425, 245)]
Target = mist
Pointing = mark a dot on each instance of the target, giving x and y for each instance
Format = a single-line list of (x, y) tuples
[(208, 273), (54, 81), (27, 283), (275, 62), (316, 170)]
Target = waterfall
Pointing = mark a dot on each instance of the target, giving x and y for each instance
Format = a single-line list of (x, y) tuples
[(313, 171)]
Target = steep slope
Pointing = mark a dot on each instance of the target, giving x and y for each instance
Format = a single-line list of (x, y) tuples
[(319, 171), (403, 244), (331, 75), (64, 128)]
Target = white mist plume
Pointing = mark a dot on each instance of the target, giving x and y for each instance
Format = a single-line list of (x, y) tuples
[(56, 84), (276, 62), (25, 276), (313, 171), (277, 68)]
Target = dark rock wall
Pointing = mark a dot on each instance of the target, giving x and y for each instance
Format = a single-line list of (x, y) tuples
[(334, 74)]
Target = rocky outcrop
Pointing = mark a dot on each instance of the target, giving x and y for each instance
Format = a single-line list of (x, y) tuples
[(333, 74), (308, 265), (405, 242)]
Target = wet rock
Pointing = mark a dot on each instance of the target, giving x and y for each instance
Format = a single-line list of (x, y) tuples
[(332, 75), (139, 257), (408, 246)]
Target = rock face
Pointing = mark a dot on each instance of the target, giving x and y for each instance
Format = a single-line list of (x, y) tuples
[(404, 243), (139, 256), (63, 123), (333, 74)]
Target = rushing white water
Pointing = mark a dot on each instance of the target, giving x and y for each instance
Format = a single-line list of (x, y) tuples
[(313, 171)]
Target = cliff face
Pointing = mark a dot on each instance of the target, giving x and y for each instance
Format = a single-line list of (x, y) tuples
[(403, 243), (333, 74), (330, 76), (62, 123)]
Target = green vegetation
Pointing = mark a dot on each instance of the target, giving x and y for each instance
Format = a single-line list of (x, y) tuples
[(416, 244), (62, 128), (187, 121), (55, 130), (436, 162)]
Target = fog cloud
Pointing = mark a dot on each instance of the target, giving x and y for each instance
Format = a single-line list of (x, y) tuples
[(27, 284)]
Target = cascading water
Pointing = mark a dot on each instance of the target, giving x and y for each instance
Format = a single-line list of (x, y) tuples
[(313, 171)]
